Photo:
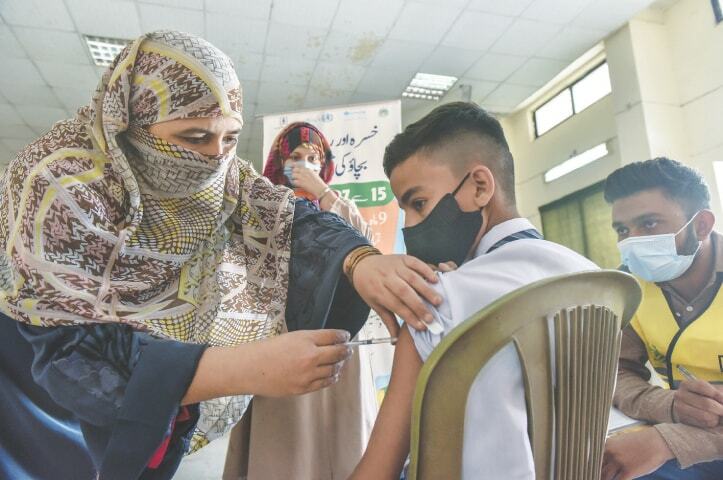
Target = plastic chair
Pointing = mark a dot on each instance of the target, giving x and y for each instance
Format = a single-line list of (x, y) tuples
[(568, 397)]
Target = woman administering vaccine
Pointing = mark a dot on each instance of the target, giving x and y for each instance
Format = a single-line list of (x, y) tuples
[(149, 273), (323, 434)]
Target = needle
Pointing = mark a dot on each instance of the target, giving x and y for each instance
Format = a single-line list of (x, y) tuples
[(371, 341)]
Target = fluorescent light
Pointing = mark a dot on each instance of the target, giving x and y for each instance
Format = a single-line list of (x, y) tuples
[(104, 50), (588, 156), (427, 86)]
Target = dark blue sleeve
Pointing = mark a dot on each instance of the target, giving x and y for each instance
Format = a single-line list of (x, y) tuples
[(320, 296), (123, 386), (38, 438)]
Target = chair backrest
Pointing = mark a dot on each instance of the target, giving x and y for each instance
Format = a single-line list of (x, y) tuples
[(568, 391)]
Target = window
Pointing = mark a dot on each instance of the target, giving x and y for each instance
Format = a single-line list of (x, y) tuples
[(591, 88), (582, 222), (573, 99), (718, 10), (554, 112)]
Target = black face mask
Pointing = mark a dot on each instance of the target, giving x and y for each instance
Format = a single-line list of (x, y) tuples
[(446, 234)]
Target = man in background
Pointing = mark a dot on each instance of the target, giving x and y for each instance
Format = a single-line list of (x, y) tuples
[(661, 213)]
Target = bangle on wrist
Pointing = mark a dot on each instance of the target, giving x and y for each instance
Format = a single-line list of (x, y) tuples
[(326, 191), (356, 256)]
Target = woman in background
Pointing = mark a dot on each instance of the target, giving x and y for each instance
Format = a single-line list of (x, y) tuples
[(301, 159), (322, 435)]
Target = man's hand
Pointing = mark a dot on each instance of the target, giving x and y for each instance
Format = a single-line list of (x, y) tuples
[(634, 454), (396, 284), (698, 403)]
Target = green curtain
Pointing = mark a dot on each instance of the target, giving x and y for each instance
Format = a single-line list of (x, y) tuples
[(581, 221), (601, 240), (563, 224)]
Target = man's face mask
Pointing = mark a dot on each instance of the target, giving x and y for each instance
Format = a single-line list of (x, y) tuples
[(446, 234), (655, 258)]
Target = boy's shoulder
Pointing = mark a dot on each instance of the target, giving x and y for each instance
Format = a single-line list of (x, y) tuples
[(537, 254)]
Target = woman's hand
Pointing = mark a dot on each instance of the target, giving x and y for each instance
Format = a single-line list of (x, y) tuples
[(289, 364), (444, 267), (309, 180), (397, 284), (299, 362)]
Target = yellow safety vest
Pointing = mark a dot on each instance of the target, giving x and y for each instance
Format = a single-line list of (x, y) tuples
[(697, 346)]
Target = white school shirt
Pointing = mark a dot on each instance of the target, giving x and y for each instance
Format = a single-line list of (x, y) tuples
[(496, 442)]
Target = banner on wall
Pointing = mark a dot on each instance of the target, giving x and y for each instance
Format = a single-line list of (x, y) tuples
[(358, 135)]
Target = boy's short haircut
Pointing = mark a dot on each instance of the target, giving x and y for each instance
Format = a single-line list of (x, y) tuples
[(447, 123)]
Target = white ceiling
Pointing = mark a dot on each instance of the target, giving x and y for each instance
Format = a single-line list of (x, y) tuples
[(300, 54)]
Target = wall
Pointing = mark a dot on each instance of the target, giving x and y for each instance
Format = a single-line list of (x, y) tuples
[(533, 157), (666, 70), (697, 53)]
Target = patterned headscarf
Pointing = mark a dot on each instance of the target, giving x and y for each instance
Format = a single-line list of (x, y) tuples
[(101, 221), (295, 134)]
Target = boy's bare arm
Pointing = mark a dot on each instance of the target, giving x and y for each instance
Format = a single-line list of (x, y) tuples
[(389, 443)]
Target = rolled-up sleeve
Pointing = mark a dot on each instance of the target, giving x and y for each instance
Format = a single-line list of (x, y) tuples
[(424, 340), (692, 445)]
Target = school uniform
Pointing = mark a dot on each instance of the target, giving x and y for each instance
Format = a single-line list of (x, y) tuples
[(509, 256)]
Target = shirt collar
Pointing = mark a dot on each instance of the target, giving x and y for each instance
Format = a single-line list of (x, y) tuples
[(500, 231)]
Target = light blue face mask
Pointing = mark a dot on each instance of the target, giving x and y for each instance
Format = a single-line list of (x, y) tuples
[(655, 258), (289, 168)]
